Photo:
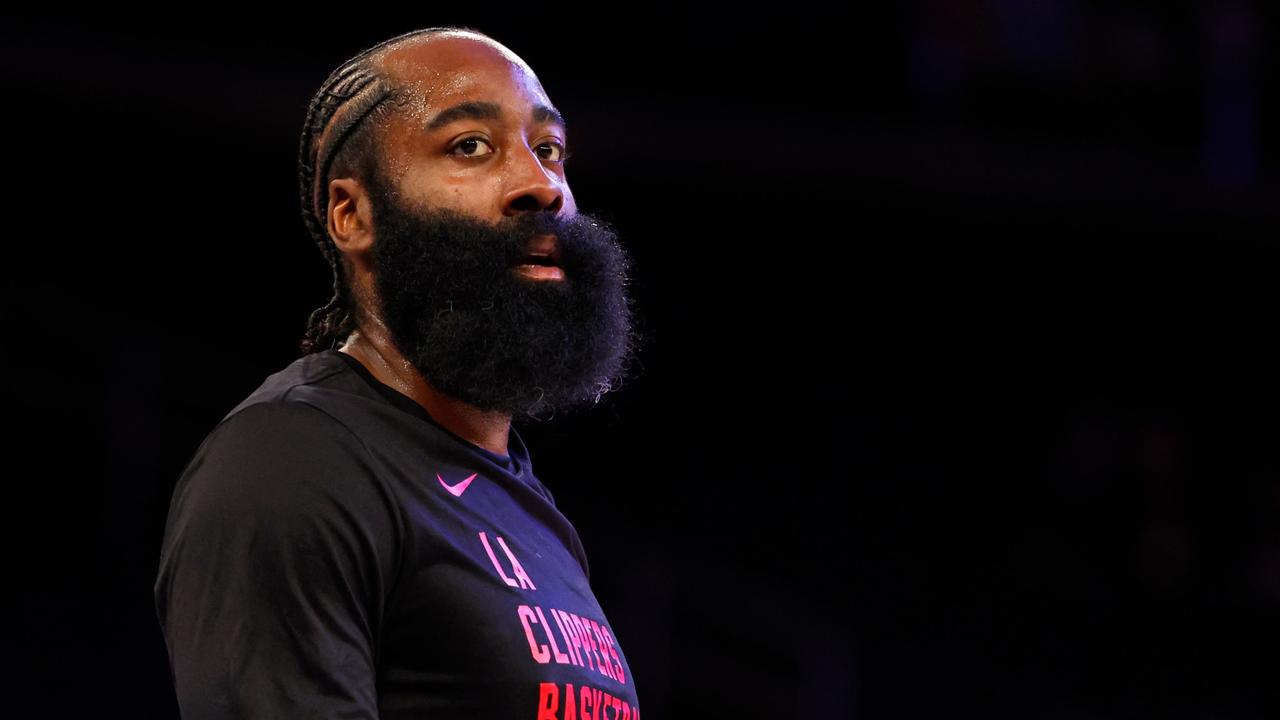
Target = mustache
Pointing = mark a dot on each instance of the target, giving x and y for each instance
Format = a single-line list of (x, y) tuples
[(576, 235)]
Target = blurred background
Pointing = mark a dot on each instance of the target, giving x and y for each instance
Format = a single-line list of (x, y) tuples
[(960, 392)]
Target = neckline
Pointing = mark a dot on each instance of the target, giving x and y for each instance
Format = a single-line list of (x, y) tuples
[(404, 402)]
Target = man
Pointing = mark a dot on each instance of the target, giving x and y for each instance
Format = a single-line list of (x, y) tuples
[(363, 536)]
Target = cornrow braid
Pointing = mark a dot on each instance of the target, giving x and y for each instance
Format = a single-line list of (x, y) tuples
[(333, 134)]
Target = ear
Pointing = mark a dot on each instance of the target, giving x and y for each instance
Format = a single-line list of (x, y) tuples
[(350, 219)]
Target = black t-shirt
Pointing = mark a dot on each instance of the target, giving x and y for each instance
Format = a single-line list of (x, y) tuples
[(333, 552)]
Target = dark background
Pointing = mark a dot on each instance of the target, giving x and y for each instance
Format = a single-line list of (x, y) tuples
[(960, 394)]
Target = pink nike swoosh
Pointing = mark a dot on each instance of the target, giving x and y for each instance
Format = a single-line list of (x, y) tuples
[(458, 489)]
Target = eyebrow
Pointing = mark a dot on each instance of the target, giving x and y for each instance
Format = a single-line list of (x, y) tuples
[(485, 110)]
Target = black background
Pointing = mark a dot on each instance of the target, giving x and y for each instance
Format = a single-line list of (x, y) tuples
[(959, 394)]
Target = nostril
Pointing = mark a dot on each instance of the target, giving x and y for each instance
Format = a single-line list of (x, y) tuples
[(535, 199), (525, 202)]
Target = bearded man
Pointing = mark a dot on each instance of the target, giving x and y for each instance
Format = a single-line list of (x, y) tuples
[(363, 536)]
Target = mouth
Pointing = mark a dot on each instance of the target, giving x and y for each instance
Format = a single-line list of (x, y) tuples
[(540, 272), (542, 259)]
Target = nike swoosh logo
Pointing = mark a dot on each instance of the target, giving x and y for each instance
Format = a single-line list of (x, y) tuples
[(458, 489)]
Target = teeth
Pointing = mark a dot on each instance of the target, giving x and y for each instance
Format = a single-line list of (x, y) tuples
[(538, 260)]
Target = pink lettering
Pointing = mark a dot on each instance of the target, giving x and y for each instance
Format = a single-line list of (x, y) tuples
[(605, 667), (587, 703), (595, 703), (516, 568), (548, 700), (579, 636), (539, 651), (561, 658), (570, 710), (616, 663), (586, 642), (591, 639), (494, 559), (584, 639), (570, 641)]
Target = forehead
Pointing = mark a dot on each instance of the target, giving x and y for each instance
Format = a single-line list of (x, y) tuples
[(438, 71)]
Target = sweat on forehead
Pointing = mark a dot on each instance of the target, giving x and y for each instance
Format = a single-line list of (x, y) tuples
[(434, 75), (443, 53), (427, 68), (411, 73)]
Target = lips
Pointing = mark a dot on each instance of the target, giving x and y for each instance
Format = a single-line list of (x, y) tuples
[(541, 250), (545, 260)]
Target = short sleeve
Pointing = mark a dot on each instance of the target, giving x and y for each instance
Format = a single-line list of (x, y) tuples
[(277, 552)]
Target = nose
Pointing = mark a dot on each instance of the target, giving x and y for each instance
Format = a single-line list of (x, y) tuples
[(532, 187)]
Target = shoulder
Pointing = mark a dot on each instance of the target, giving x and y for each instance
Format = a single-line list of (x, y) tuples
[(280, 514), (291, 427), (280, 456), (321, 379), (293, 415)]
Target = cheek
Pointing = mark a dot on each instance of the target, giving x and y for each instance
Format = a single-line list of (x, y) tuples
[(471, 197), (456, 191)]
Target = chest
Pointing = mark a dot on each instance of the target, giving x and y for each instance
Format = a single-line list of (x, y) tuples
[(492, 614)]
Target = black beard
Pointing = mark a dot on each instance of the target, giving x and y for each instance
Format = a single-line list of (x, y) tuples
[(479, 332)]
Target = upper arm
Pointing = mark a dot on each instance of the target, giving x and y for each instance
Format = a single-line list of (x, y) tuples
[(277, 553)]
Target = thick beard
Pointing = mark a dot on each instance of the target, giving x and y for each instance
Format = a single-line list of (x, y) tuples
[(479, 332)]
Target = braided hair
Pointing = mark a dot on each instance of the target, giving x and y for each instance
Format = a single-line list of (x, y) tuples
[(336, 141)]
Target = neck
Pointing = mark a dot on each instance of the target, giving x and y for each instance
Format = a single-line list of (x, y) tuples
[(372, 346)]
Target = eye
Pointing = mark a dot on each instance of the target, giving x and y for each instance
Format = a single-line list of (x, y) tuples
[(559, 153), (468, 144)]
